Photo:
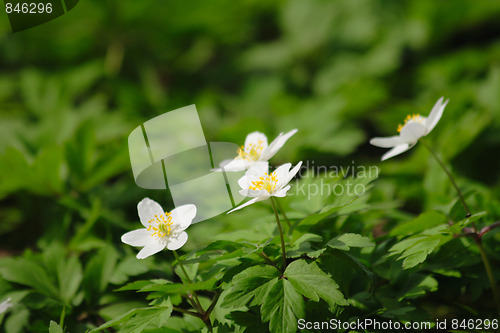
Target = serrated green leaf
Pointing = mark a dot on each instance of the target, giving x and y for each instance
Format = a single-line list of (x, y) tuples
[(282, 306), (136, 320), (415, 250), (249, 284), (310, 281), (346, 241)]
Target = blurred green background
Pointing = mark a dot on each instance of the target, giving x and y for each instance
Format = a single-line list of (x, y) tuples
[(71, 91)]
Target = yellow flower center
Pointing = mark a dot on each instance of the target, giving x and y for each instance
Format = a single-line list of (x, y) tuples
[(266, 182), (415, 118), (161, 225), (252, 153)]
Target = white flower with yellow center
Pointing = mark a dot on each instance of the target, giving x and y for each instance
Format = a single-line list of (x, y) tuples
[(256, 151), (260, 185), (415, 127), (162, 229), (5, 305)]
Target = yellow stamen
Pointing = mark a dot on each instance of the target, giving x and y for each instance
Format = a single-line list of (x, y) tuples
[(266, 182), (252, 153), (161, 225), (410, 119)]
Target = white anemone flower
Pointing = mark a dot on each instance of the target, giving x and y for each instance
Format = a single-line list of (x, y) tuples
[(162, 229), (260, 185), (415, 127), (256, 151), (5, 305)]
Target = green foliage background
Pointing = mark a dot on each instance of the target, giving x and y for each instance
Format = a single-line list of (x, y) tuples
[(340, 71)]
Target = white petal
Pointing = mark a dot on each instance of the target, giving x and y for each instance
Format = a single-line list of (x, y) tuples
[(248, 203), (282, 171), (276, 145), (388, 142), (285, 180), (256, 138), (182, 216), (150, 249), (435, 115), (233, 165), (411, 132), (245, 182), (139, 237), (147, 210), (178, 242), (281, 193), (4, 306), (396, 151), (258, 168)]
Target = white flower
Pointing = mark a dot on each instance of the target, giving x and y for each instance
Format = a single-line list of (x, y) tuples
[(161, 230), (260, 185), (256, 151), (5, 305), (414, 128)]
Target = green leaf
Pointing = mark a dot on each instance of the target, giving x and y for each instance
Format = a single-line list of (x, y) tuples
[(180, 288), (456, 228), (70, 276), (423, 222), (310, 281), (250, 284), (17, 320), (137, 320), (414, 250), (346, 241), (98, 273), (55, 328), (282, 306), (130, 266), (29, 273), (303, 246)]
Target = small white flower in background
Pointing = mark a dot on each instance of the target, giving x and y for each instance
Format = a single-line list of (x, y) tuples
[(162, 229), (256, 151), (414, 128), (5, 305), (260, 185)]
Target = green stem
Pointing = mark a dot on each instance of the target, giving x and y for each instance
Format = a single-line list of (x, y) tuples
[(191, 313), (267, 259), (448, 173), (197, 304), (63, 314), (284, 214), (283, 252), (489, 272)]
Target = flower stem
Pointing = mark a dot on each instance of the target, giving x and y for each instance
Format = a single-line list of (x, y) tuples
[(284, 214), (63, 314), (489, 272), (283, 252), (448, 173), (196, 301)]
